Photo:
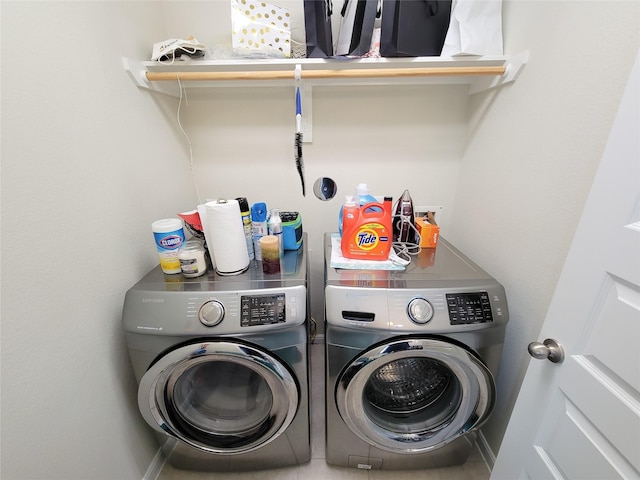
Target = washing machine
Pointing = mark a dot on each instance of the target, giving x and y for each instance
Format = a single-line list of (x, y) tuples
[(411, 358), (222, 365)]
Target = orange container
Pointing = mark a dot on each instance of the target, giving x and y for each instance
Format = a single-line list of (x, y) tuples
[(429, 233), (369, 235)]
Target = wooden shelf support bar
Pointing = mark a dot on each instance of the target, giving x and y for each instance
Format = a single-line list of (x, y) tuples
[(327, 74)]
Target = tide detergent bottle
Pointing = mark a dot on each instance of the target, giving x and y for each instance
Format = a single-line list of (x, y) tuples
[(368, 235)]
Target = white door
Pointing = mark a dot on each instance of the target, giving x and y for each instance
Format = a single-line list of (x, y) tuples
[(580, 419)]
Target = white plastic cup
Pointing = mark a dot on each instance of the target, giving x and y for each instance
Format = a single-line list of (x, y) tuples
[(169, 237)]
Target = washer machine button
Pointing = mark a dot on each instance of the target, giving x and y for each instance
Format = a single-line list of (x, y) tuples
[(420, 311), (211, 313)]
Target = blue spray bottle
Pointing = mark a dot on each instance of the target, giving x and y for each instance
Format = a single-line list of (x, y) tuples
[(259, 226)]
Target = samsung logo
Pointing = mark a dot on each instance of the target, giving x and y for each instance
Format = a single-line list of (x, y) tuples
[(153, 300)]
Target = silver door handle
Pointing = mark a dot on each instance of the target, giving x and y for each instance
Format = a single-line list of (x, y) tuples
[(549, 349)]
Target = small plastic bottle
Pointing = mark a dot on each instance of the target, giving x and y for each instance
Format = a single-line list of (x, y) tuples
[(275, 228), (362, 197), (349, 211)]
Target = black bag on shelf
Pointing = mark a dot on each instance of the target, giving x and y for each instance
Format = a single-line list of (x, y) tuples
[(414, 28), (317, 23), (356, 27)]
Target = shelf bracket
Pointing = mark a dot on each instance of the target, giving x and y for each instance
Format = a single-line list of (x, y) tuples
[(139, 77), (514, 67), (136, 74)]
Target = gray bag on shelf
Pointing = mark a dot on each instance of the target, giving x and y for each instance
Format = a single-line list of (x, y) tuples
[(356, 27), (414, 28), (317, 24)]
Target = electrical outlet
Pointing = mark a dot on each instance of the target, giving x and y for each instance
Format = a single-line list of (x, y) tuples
[(421, 211)]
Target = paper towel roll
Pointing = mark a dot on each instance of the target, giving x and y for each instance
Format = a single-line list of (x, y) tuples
[(226, 233)]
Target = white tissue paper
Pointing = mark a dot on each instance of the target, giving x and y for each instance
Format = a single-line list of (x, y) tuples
[(475, 28)]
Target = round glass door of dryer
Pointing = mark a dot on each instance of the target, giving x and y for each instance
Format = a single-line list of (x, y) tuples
[(412, 395), (223, 397)]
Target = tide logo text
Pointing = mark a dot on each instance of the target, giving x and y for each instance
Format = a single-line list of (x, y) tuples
[(367, 239)]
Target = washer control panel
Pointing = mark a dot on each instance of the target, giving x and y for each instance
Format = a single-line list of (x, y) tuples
[(417, 310), (469, 308)]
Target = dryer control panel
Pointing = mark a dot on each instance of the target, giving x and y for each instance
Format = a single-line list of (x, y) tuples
[(262, 309), (214, 312)]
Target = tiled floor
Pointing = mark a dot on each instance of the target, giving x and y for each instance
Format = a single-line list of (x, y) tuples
[(317, 468)]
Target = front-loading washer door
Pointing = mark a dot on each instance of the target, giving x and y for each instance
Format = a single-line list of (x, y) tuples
[(414, 394), (224, 397)]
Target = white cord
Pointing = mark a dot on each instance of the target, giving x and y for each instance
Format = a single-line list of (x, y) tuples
[(406, 250), (183, 91)]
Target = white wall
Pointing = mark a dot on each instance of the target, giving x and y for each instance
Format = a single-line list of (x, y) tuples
[(88, 161), (243, 146), (529, 164)]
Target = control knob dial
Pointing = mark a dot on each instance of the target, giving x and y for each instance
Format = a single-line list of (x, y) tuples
[(420, 311), (211, 313)]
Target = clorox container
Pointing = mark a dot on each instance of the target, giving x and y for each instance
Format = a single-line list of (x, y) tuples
[(369, 235), (169, 237)]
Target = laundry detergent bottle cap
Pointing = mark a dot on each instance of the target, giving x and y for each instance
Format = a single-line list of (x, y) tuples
[(362, 189)]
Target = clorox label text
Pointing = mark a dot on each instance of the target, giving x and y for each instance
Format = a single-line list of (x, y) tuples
[(171, 242)]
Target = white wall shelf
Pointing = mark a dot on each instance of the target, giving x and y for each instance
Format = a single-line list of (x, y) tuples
[(480, 73)]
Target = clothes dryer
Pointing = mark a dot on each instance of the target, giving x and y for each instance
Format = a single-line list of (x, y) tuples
[(411, 358), (222, 365)]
